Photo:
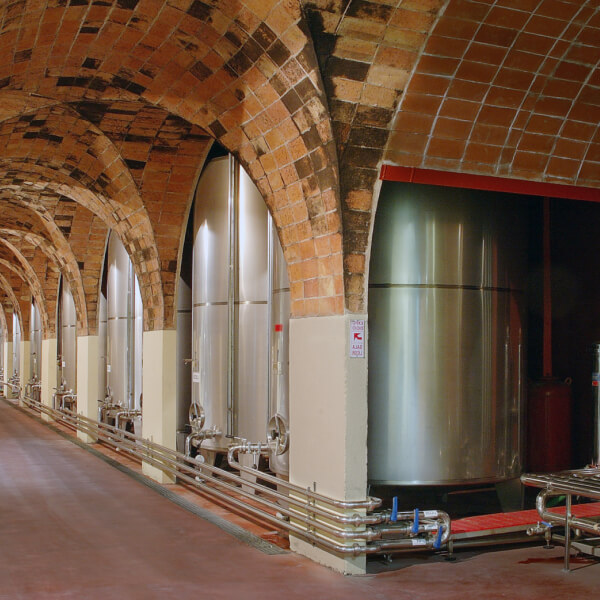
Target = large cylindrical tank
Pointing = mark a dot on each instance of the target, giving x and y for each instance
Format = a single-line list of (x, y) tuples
[(235, 308), (230, 303), (549, 425), (184, 345), (446, 360), (124, 332), (2, 340), (102, 344), (36, 342), (210, 299), (16, 347), (279, 350), (67, 342)]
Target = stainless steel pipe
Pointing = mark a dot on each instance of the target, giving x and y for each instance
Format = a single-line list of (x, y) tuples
[(321, 524)]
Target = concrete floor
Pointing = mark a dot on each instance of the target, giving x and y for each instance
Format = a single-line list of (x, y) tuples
[(72, 526)]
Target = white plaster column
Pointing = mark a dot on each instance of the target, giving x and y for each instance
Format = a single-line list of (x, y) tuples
[(48, 370), (25, 366), (328, 420), (88, 391), (8, 365), (159, 406)]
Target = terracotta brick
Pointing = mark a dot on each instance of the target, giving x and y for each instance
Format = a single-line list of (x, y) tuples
[(404, 38), (459, 109), (452, 128), (437, 65), (446, 148), (414, 123), (482, 153), (536, 143), (529, 161), (563, 168)]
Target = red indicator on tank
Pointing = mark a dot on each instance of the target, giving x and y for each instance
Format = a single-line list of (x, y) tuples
[(278, 327)]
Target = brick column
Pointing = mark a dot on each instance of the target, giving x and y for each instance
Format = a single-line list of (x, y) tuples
[(48, 372), (328, 420), (159, 377), (88, 390)]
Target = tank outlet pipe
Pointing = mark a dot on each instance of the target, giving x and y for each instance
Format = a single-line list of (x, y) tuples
[(230, 488), (126, 414), (541, 528), (203, 434), (369, 504), (68, 396), (582, 523), (15, 387)]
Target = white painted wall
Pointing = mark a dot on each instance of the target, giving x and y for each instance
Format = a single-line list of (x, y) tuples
[(48, 379), (88, 391), (159, 409), (328, 419)]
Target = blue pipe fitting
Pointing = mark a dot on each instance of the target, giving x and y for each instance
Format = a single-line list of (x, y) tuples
[(415, 527), (438, 539), (394, 516)]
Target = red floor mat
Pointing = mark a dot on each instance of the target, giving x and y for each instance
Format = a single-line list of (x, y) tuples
[(515, 519)]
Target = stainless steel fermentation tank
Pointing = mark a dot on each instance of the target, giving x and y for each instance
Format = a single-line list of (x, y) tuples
[(240, 312), (2, 341), (35, 338), (16, 347), (67, 338), (103, 339), (446, 357), (124, 328)]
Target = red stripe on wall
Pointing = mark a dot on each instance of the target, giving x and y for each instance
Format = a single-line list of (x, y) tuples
[(492, 184)]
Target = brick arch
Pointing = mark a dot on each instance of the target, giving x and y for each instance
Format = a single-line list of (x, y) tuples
[(33, 278), (66, 149), (507, 90), (51, 264), (22, 294), (38, 223), (24, 270), (246, 73), (165, 154), (3, 324), (10, 298), (367, 52), (80, 234)]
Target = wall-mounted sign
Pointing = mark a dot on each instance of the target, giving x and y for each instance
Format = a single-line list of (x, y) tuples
[(357, 338)]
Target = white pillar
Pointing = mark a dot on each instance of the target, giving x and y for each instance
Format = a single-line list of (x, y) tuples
[(48, 369), (25, 366), (159, 407), (8, 365), (328, 420), (88, 391)]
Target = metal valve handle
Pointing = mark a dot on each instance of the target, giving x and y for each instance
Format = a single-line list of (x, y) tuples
[(278, 434), (196, 416)]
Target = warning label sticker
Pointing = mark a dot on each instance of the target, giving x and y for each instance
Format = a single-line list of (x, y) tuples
[(357, 338)]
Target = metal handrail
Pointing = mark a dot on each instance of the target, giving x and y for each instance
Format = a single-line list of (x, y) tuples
[(310, 516), (579, 482)]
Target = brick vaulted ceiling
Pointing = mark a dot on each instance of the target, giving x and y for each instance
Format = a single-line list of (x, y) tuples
[(108, 109)]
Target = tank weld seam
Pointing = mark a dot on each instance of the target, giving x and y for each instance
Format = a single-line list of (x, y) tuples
[(445, 286)]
